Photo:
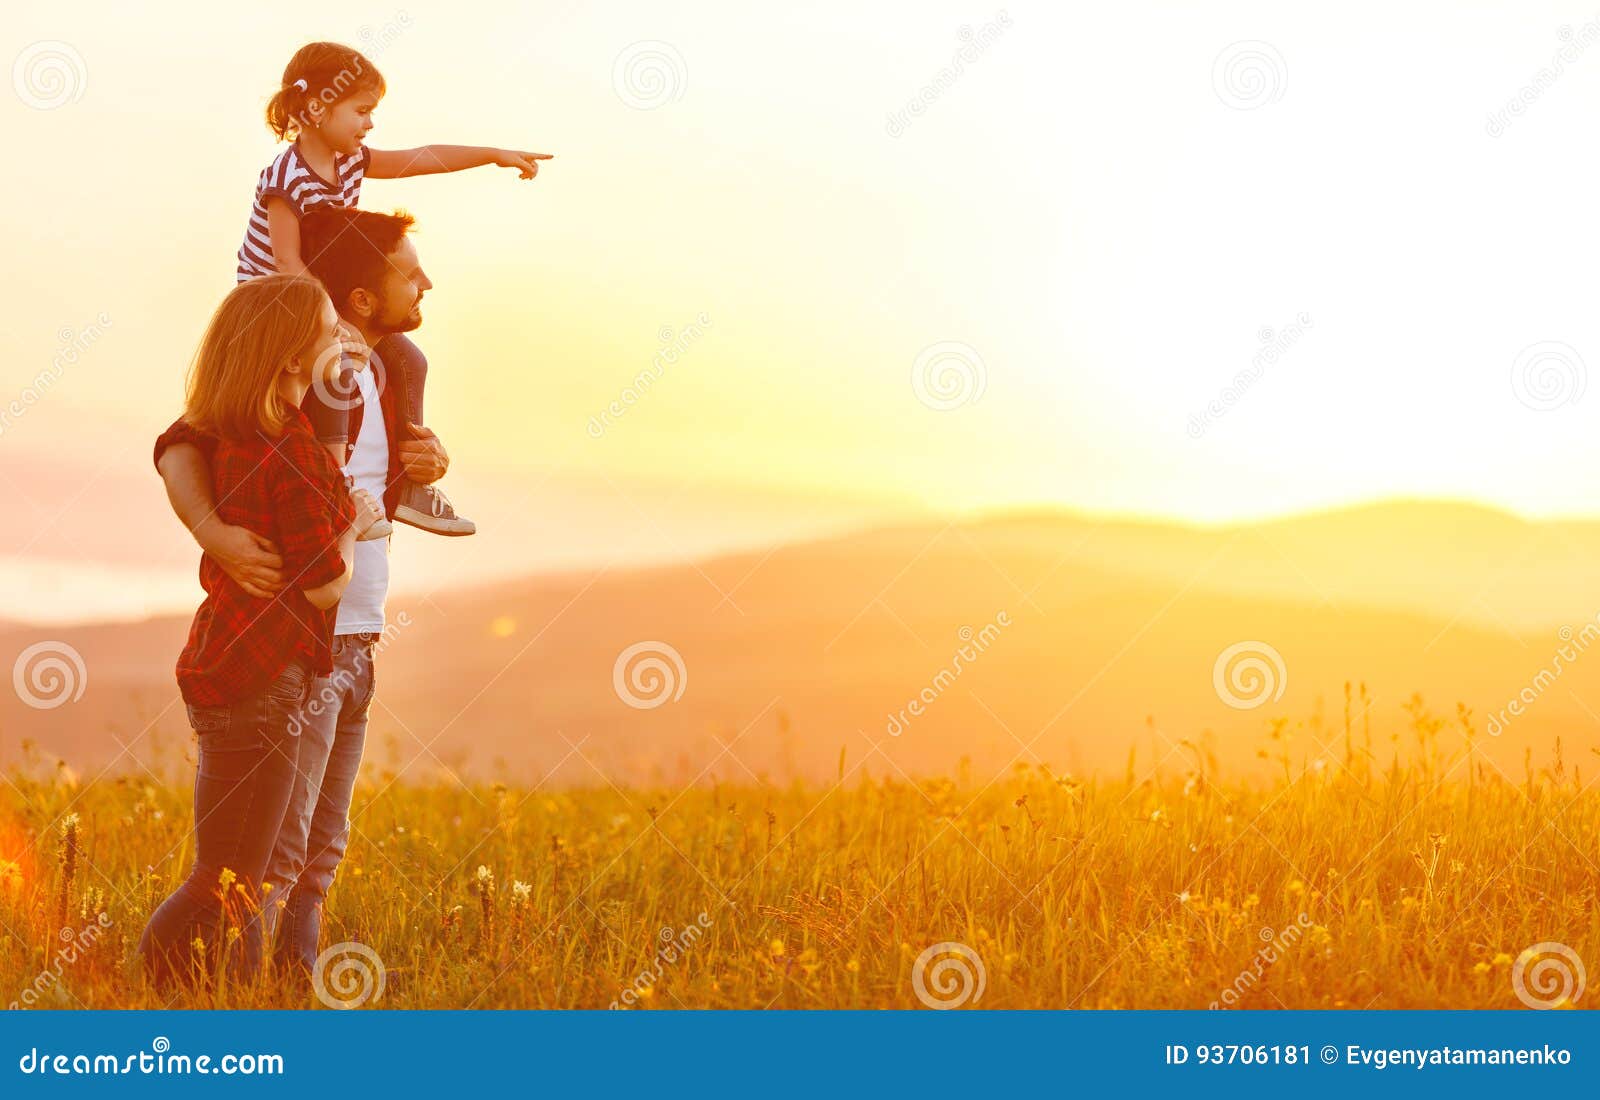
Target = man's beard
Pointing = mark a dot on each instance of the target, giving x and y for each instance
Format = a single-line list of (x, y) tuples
[(408, 321)]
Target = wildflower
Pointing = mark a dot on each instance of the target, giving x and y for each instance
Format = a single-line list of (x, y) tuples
[(1481, 968), (1502, 959), (776, 948), (853, 966), (520, 892)]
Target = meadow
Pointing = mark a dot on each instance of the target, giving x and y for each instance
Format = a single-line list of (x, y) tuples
[(1401, 869)]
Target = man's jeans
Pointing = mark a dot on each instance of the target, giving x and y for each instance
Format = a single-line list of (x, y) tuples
[(316, 826)]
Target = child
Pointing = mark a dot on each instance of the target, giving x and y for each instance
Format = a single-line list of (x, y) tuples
[(324, 106), (251, 664)]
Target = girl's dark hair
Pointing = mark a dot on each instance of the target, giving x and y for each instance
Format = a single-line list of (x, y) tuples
[(322, 72)]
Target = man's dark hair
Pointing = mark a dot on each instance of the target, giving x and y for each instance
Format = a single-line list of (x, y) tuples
[(349, 249)]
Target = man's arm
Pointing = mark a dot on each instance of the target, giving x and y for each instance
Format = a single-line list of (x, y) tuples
[(252, 561)]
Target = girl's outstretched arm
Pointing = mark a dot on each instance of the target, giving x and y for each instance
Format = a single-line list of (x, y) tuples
[(284, 229), (428, 160)]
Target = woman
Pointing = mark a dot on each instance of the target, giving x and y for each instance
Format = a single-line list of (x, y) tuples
[(250, 664)]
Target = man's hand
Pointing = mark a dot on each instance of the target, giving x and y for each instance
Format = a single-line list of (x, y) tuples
[(252, 561), (423, 456)]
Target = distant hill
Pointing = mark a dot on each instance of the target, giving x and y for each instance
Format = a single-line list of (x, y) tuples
[(794, 654)]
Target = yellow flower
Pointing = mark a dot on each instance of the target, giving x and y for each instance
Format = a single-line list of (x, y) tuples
[(852, 966), (776, 948), (1481, 968), (1502, 959)]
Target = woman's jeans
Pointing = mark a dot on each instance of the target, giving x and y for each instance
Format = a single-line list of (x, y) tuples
[(248, 752), (316, 825)]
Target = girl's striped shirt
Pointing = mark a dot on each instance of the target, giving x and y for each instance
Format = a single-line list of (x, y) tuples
[(291, 178)]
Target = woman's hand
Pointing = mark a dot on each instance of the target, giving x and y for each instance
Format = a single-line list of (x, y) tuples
[(369, 510), (353, 350), (525, 163)]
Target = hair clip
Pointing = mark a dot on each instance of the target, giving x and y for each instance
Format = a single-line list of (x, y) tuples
[(301, 84)]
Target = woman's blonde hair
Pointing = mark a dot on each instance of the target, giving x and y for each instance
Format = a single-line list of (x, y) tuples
[(258, 328)]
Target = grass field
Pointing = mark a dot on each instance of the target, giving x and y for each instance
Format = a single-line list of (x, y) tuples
[(1351, 880)]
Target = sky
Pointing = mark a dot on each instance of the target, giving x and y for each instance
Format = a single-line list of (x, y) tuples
[(1138, 258)]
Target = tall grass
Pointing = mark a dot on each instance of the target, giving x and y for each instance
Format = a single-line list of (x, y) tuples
[(1411, 875)]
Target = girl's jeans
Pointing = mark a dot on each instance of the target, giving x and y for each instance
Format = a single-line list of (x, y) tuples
[(246, 773), (395, 359), (316, 826)]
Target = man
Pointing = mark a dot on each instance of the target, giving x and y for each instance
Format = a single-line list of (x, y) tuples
[(371, 271)]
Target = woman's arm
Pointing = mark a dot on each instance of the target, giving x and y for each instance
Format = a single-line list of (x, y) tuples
[(368, 510), (251, 560), (284, 228), (325, 596), (429, 160)]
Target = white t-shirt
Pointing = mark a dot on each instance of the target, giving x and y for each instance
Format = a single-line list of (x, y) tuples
[(361, 608)]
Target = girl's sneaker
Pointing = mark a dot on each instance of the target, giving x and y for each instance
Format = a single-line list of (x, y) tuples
[(426, 507)]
